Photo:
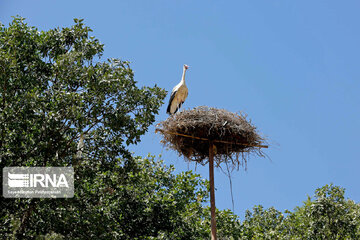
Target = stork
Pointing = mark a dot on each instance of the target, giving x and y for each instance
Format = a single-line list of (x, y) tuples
[(178, 94)]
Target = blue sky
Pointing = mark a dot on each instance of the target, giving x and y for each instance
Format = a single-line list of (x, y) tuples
[(292, 66)]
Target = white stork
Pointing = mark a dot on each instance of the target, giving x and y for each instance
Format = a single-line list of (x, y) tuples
[(178, 94)]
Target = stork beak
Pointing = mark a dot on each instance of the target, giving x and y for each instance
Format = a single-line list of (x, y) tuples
[(186, 66)]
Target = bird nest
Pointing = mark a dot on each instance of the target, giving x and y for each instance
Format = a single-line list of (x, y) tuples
[(191, 131)]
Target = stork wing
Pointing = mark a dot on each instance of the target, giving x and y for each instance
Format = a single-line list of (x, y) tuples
[(172, 96)]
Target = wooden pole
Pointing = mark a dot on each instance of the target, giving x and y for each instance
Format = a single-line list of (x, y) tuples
[(212, 191)]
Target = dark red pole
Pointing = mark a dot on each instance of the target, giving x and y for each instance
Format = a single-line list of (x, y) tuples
[(212, 191)]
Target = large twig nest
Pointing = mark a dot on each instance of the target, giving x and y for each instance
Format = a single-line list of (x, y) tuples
[(190, 131)]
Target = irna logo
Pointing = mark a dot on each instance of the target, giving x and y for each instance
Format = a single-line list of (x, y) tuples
[(38, 182)]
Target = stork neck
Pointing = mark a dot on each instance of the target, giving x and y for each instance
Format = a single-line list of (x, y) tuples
[(183, 76)]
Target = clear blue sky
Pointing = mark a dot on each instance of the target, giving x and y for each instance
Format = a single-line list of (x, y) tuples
[(292, 66)]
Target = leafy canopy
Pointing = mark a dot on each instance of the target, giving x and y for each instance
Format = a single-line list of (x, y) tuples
[(328, 216), (54, 87)]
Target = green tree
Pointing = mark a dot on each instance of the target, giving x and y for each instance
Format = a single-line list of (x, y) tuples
[(328, 216), (53, 89), (262, 224)]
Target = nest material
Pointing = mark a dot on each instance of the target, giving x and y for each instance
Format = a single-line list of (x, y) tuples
[(190, 132)]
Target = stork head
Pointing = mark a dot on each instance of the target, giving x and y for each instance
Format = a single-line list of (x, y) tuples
[(186, 66)]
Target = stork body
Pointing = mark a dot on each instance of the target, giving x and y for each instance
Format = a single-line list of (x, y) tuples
[(178, 94)]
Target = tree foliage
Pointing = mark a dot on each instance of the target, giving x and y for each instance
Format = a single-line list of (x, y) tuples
[(328, 216), (54, 87)]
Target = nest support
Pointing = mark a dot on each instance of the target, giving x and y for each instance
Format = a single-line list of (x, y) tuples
[(191, 132)]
